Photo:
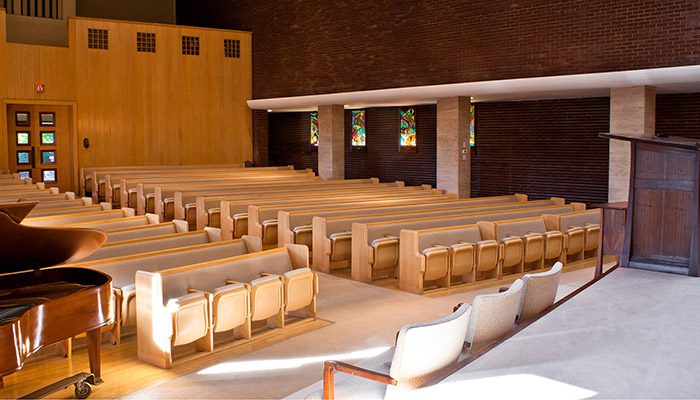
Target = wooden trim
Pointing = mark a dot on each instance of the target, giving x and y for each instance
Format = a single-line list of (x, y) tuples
[(329, 368), (88, 264), (176, 270), (155, 24)]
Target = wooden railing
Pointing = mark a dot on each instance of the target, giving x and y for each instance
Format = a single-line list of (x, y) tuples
[(52, 9)]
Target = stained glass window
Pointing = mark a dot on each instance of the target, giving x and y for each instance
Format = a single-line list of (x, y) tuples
[(48, 175), (48, 138), (22, 157), (48, 157), (358, 128), (313, 139), (24, 173), (472, 135), (22, 138), (408, 128)]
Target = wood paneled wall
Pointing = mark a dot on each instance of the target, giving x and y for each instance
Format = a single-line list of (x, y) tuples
[(140, 108)]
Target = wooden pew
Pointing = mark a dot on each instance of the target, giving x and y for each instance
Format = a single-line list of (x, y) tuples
[(262, 219), (148, 230), (123, 269), (69, 210), (14, 195), (69, 219), (8, 186), (375, 245), (109, 187), (155, 243), (45, 205), (187, 203), (294, 224), (332, 235), (117, 223), (234, 214), (6, 175), (45, 197), (466, 254), (89, 174), (181, 305), (582, 230), (160, 198)]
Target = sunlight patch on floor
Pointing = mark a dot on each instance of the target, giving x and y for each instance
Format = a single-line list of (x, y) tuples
[(287, 363)]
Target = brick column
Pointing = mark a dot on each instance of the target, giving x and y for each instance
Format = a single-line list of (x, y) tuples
[(331, 142), (453, 152), (632, 111)]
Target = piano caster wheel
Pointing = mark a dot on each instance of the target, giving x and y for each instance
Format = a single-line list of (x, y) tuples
[(82, 390)]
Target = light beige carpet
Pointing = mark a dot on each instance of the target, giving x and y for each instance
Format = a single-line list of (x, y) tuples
[(366, 319)]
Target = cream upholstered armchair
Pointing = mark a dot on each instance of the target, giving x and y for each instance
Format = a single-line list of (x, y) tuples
[(422, 350), (539, 292), (493, 315)]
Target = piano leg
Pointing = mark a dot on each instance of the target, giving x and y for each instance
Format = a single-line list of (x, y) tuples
[(94, 352)]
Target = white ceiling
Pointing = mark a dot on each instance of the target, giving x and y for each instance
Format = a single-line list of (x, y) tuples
[(666, 80)]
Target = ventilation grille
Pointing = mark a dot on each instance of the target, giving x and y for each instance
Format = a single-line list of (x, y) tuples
[(232, 48), (190, 45), (98, 39), (145, 42)]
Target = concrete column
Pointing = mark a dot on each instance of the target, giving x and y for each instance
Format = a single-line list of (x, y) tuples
[(331, 142), (453, 152), (632, 111)]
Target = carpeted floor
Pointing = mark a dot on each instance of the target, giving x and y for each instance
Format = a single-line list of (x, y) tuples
[(629, 336), (366, 319)]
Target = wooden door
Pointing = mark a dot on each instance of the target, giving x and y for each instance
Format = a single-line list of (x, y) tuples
[(39, 143)]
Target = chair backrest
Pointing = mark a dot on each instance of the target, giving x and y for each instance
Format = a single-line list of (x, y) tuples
[(426, 348), (539, 292), (493, 315)]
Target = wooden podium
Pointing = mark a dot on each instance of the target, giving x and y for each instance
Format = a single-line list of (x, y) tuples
[(661, 227)]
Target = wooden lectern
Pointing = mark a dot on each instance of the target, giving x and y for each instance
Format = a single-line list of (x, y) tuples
[(661, 227)]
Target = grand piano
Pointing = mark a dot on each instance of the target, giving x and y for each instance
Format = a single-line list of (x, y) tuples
[(41, 304)]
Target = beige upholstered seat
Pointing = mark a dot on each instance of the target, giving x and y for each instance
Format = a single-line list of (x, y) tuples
[(269, 232), (493, 315), (341, 246), (512, 250), (591, 238), (190, 318), (303, 234), (422, 349), (553, 246), (240, 225), (539, 292), (267, 301), (300, 290), (575, 243), (437, 263), (385, 256), (533, 251), (230, 309)]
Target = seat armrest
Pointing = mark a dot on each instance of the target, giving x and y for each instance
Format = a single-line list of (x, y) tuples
[(174, 304), (330, 367), (232, 282)]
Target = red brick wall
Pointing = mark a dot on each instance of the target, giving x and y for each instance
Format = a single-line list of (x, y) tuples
[(678, 114), (311, 46), (541, 148)]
